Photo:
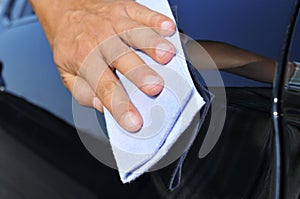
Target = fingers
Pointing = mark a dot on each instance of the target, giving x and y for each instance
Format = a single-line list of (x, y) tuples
[(81, 91), (114, 98), (95, 84), (127, 62), (165, 26), (107, 88), (146, 79), (145, 39)]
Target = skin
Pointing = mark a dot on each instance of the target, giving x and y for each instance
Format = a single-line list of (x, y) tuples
[(104, 30), (232, 59), (82, 33)]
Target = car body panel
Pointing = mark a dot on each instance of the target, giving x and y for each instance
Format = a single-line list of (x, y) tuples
[(29, 70)]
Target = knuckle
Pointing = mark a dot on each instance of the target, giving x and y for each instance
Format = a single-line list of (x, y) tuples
[(65, 57), (153, 18), (84, 43), (133, 33), (117, 8), (80, 101), (128, 37), (74, 16), (114, 62), (131, 26), (116, 54), (112, 50), (64, 65), (138, 37), (81, 97), (106, 89), (84, 102)]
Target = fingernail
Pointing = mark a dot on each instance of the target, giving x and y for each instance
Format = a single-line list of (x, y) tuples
[(131, 122), (153, 84), (96, 103), (163, 49), (167, 25)]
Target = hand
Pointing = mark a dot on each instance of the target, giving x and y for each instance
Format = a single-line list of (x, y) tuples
[(91, 38)]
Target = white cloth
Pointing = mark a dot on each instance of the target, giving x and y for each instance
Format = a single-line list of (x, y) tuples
[(165, 117)]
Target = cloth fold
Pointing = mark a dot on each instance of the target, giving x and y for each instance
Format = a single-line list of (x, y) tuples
[(165, 117)]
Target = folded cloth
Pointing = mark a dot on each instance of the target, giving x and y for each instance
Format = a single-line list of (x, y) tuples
[(165, 117)]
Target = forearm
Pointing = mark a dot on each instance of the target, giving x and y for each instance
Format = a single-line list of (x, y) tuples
[(228, 56), (234, 60), (263, 71)]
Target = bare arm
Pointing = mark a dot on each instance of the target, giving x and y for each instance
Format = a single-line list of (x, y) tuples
[(234, 60)]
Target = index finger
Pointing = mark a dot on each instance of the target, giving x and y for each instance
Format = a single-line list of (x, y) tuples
[(109, 90), (161, 23)]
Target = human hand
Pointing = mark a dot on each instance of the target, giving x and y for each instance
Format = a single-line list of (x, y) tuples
[(91, 38)]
